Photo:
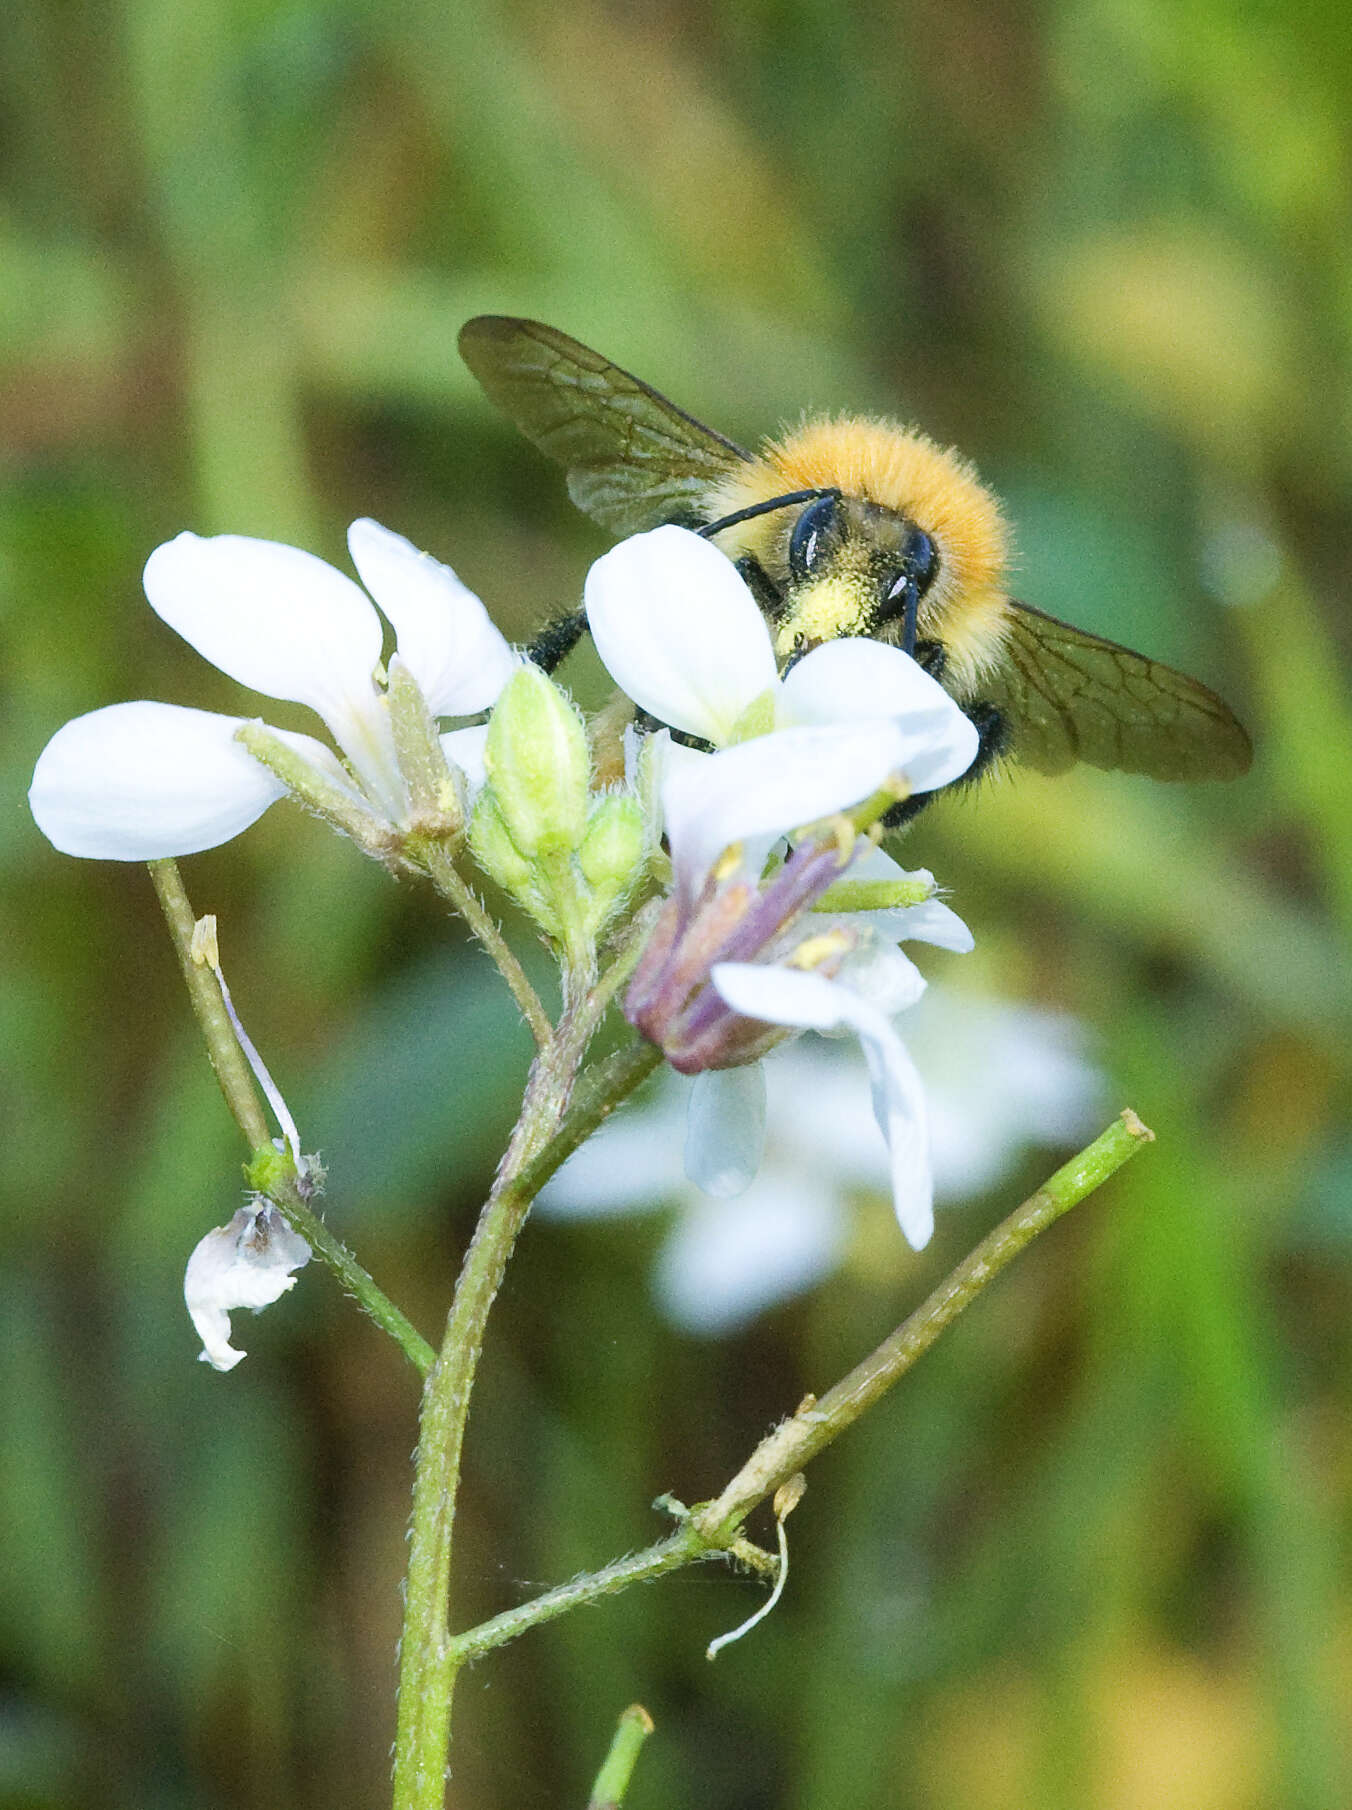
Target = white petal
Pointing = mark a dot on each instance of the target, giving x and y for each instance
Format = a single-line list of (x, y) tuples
[(785, 996), (726, 1262), (844, 680), (464, 748), (679, 631), (725, 1130), (930, 922), (273, 617), (139, 782), (881, 974), (757, 791), (244, 1264), (444, 633)]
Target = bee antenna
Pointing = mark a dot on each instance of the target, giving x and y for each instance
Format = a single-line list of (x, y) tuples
[(754, 509)]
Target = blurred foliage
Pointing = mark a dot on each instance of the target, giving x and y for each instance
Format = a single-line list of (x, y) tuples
[(1095, 1553)]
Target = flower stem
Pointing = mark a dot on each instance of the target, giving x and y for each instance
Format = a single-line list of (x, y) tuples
[(713, 1529), (269, 1171), (612, 1781), (226, 1057), (544, 1136), (457, 891), (814, 1426)]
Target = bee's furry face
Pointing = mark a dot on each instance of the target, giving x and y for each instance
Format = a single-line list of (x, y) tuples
[(895, 483)]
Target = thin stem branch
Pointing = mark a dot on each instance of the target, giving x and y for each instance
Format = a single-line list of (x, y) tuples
[(617, 1769), (815, 1425), (457, 891), (269, 1170), (226, 1057), (714, 1528)]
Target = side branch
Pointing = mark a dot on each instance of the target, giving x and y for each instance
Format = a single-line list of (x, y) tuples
[(814, 1426)]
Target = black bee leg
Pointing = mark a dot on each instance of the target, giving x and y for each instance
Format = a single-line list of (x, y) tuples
[(553, 644), (933, 657), (992, 741), (769, 597)]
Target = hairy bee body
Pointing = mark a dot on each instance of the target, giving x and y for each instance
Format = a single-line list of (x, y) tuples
[(852, 525)]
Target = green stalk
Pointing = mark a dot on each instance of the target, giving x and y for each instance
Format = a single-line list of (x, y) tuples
[(269, 1170), (612, 1781)]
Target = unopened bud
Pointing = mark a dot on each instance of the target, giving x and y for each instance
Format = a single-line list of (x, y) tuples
[(538, 766), (500, 858), (612, 852)]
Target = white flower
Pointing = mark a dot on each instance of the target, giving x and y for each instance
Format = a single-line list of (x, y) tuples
[(732, 958), (1000, 1078), (247, 1263), (140, 781), (681, 634)]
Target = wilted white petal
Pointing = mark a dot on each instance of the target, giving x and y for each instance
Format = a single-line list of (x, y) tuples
[(725, 1130), (247, 1263), (755, 792), (143, 781), (274, 617), (679, 631), (444, 634), (725, 1263)]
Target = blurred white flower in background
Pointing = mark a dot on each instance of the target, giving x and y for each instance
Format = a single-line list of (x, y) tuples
[(1000, 1079)]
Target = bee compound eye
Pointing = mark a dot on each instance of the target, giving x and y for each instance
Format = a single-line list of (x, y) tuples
[(898, 591), (810, 533), (922, 559)]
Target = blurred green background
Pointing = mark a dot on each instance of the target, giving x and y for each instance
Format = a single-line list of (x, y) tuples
[(1094, 1553)]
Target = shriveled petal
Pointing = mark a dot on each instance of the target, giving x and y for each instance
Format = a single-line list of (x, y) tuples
[(140, 782), (844, 680), (810, 1001), (247, 1263), (759, 790), (725, 1130), (275, 618), (679, 631), (445, 637), (725, 1263)]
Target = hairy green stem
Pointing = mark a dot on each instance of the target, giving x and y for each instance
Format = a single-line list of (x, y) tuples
[(457, 891), (270, 1171), (712, 1529), (226, 1057), (545, 1134), (817, 1423)]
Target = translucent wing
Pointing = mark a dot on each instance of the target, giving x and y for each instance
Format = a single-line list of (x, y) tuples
[(633, 460), (1069, 696)]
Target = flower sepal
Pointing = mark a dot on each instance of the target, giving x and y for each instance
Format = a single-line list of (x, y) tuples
[(436, 797), (329, 795)]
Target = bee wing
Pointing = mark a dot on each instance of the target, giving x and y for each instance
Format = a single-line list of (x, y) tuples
[(633, 460), (1068, 695)]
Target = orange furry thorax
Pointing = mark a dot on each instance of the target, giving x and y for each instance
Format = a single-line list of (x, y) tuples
[(905, 471)]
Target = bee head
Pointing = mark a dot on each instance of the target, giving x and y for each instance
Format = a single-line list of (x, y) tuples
[(854, 568)]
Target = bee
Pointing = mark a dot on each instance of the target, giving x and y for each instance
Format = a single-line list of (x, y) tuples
[(855, 526)]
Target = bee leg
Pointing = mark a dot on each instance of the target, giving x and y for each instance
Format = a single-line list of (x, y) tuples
[(769, 597), (554, 643), (992, 740), (932, 657)]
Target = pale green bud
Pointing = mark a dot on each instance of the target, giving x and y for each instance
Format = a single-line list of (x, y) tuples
[(538, 765), (612, 853), (497, 854)]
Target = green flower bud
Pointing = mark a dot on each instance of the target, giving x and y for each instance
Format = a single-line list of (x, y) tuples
[(497, 854), (538, 765), (613, 845)]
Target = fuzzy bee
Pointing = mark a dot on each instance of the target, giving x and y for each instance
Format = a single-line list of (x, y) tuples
[(855, 526)]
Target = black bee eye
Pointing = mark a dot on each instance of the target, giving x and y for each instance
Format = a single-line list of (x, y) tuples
[(896, 596), (922, 559), (809, 535)]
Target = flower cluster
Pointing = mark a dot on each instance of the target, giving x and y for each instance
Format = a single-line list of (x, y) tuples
[(780, 912)]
